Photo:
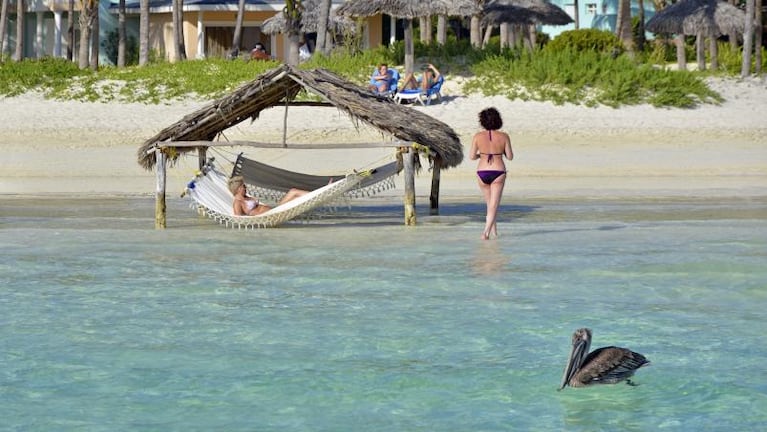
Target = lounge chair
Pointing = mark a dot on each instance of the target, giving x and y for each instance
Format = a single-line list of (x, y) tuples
[(393, 82), (414, 95)]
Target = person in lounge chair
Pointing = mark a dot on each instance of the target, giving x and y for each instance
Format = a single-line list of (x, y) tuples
[(381, 79), (430, 76), (245, 205)]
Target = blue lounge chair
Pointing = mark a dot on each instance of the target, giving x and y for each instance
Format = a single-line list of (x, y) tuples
[(435, 90), (393, 82)]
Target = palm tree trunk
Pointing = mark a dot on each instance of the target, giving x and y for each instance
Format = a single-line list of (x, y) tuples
[(640, 15), (409, 57), (235, 51), (733, 37), (700, 51), (748, 38), (293, 9), (86, 25), (488, 34), (71, 31), (143, 33), (713, 49), (323, 41), (19, 30), (121, 34), (178, 29), (577, 13), (476, 32), (504, 28), (441, 29), (758, 23), (681, 55), (425, 24), (623, 25), (94, 60), (3, 21)]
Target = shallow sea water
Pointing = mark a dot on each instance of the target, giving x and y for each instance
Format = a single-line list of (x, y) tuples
[(355, 322)]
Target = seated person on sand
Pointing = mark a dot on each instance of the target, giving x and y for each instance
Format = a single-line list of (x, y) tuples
[(259, 53), (382, 79), (429, 78), (245, 205)]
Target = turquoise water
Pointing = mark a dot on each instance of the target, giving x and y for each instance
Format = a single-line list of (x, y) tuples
[(358, 323)]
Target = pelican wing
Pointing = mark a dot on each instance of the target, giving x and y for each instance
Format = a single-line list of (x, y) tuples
[(609, 365)]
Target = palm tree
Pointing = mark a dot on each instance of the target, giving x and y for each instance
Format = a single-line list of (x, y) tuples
[(323, 44), (71, 31), (19, 30), (748, 38), (235, 52), (143, 33), (88, 13), (758, 39), (121, 34), (3, 20), (178, 29), (293, 10), (623, 26)]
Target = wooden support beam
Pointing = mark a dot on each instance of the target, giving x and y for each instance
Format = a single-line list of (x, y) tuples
[(408, 158), (300, 146), (434, 196), (159, 206), (202, 154)]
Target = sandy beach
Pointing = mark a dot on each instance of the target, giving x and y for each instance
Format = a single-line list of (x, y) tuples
[(86, 149)]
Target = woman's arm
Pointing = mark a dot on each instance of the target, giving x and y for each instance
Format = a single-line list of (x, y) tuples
[(507, 149), (474, 152)]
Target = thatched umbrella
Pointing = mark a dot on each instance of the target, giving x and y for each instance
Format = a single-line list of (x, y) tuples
[(449, 8), (524, 12), (405, 9), (701, 18), (281, 85), (309, 21)]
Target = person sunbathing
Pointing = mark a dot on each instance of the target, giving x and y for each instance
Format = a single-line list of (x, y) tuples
[(245, 205), (430, 76)]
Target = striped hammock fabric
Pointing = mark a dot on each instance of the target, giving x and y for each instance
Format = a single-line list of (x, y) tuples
[(211, 197)]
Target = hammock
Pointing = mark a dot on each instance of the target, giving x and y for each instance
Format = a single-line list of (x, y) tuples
[(272, 182), (210, 195)]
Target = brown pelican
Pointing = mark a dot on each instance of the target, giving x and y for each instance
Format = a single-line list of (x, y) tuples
[(607, 365)]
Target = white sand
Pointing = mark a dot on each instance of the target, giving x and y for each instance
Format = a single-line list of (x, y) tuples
[(74, 148)]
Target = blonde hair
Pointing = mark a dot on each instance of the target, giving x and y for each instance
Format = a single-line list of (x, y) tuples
[(235, 183)]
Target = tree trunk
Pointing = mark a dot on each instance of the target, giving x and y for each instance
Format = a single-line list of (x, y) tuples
[(623, 25), (476, 32), (19, 30), (178, 29), (748, 39), (323, 41), (425, 24), (700, 51), (733, 37), (441, 29), (293, 28), (577, 13), (758, 23), (409, 57), (640, 35), (504, 29), (143, 33), (121, 34), (235, 51), (87, 15), (71, 31), (681, 55), (94, 60), (3, 21), (713, 49)]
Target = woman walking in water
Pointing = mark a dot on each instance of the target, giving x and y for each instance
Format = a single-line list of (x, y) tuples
[(490, 146)]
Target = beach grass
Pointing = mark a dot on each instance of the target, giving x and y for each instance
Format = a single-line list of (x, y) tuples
[(561, 76)]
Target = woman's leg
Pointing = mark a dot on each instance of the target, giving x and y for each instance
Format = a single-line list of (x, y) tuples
[(493, 202), (485, 189), (291, 195), (409, 82)]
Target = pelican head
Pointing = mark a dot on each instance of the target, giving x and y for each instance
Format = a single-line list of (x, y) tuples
[(578, 353)]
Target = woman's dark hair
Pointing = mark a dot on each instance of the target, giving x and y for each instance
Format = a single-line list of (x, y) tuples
[(490, 119)]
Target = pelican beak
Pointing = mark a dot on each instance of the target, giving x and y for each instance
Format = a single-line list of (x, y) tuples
[(577, 353)]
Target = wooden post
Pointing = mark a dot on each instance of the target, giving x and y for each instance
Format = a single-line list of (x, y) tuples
[(409, 171), (202, 154), (159, 206), (434, 197)]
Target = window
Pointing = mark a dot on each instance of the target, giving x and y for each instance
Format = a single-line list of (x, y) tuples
[(591, 8)]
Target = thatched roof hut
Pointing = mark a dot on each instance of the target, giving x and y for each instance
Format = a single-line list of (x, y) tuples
[(281, 85), (310, 18), (524, 12), (692, 17)]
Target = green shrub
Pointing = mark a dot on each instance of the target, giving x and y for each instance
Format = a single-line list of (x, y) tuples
[(586, 40)]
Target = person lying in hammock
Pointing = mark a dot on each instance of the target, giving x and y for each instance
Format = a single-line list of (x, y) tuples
[(245, 205)]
